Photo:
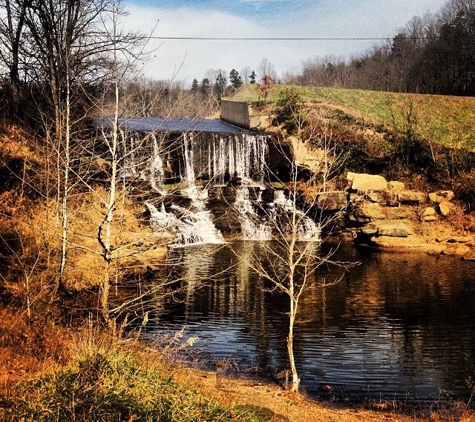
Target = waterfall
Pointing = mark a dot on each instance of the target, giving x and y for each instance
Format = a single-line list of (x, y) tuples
[(157, 172), (307, 229), (242, 157), (254, 227), (234, 163), (189, 227)]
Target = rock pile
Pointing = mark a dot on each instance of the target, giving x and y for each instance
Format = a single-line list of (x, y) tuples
[(387, 215)]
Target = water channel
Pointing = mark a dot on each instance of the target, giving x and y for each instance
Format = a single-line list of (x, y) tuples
[(398, 326)]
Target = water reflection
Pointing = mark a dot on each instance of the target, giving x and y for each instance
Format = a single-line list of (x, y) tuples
[(401, 325)]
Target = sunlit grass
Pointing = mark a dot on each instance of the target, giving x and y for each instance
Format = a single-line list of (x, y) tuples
[(447, 120), (104, 382)]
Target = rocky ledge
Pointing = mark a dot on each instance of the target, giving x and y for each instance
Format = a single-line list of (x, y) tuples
[(388, 216)]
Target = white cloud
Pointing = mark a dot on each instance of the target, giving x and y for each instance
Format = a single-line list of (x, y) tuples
[(187, 59)]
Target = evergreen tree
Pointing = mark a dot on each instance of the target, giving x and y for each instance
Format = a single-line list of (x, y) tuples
[(205, 85), (235, 79), (220, 85), (252, 77), (194, 85)]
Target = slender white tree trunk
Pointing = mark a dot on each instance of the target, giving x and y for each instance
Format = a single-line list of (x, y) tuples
[(290, 347)]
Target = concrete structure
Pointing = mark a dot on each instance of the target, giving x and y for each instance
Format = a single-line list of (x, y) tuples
[(239, 114)]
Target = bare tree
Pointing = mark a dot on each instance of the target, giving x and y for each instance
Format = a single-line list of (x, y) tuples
[(293, 256), (267, 68), (12, 25)]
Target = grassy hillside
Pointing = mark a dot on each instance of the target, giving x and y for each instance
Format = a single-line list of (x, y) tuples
[(443, 119)]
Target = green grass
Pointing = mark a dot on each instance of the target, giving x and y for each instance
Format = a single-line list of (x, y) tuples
[(446, 120), (107, 384)]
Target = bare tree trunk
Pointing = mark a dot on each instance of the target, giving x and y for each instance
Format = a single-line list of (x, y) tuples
[(290, 346), (106, 240), (66, 187)]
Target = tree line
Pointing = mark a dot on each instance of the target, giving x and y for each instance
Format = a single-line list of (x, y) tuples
[(433, 54)]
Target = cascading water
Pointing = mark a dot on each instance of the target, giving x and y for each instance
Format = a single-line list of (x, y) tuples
[(307, 229), (157, 172), (253, 226), (194, 224), (189, 227), (237, 162)]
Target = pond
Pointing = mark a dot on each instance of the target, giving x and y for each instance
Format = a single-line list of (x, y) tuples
[(399, 326)]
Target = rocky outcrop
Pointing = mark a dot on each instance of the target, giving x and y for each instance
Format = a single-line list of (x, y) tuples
[(366, 182), (332, 200), (388, 215)]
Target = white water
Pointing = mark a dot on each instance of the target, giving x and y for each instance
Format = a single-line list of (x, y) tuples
[(157, 172), (241, 158), (189, 227), (307, 229), (254, 227)]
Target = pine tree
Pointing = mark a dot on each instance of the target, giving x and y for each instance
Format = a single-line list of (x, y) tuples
[(235, 79)]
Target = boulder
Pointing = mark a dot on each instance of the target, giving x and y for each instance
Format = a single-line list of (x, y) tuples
[(429, 214), (382, 197), (362, 182), (445, 208), (399, 213), (394, 186), (435, 198), (370, 230), (412, 197), (332, 201), (371, 211), (469, 256), (448, 195), (456, 249), (441, 196), (395, 229), (459, 239)]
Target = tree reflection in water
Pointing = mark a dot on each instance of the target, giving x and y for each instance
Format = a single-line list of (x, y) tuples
[(398, 326)]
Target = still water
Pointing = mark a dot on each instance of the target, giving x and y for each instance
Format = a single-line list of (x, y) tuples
[(397, 326)]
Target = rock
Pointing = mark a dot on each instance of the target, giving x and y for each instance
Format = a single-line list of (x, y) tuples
[(435, 198), (458, 239), (390, 242), (366, 182), (445, 208), (457, 250), (441, 196), (387, 229), (429, 214), (370, 230), (395, 229), (332, 201), (447, 194), (469, 256), (405, 243), (399, 213), (371, 211), (382, 197), (412, 197), (372, 197), (394, 186)]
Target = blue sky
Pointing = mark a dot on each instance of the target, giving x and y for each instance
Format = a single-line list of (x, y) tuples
[(187, 59)]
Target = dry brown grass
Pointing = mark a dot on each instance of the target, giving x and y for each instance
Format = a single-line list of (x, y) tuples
[(27, 351), (27, 348), (278, 405)]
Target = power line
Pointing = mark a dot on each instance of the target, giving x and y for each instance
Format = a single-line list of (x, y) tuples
[(275, 38)]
